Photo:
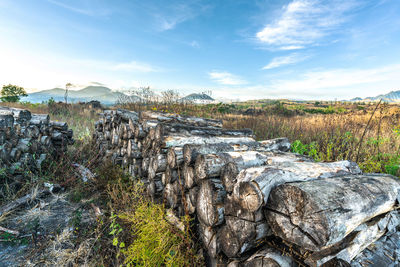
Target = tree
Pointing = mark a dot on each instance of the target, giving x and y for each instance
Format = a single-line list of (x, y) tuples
[(67, 86), (12, 93)]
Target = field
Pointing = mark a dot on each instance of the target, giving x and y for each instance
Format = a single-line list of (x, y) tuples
[(108, 214)]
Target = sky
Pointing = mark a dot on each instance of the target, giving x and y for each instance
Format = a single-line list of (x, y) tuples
[(242, 49)]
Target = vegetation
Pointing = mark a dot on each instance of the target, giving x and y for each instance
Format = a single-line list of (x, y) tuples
[(12, 93), (133, 231)]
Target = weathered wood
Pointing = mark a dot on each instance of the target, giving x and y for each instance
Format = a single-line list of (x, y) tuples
[(210, 202), (180, 141), (171, 175), (238, 236), (174, 157), (383, 252), (164, 117), (172, 195), (319, 213), (127, 115), (365, 234), (232, 208), (248, 159), (191, 151), (29, 197), (190, 130), (277, 144), (133, 150), (190, 207), (188, 176), (208, 236), (254, 184), (269, 257)]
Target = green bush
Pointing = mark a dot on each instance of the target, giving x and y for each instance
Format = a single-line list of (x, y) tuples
[(143, 235), (12, 93)]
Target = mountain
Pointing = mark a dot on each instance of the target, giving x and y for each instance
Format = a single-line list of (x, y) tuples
[(391, 97), (103, 94), (198, 98)]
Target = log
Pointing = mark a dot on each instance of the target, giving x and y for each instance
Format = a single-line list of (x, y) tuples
[(172, 195), (319, 213), (170, 175), (25, 199), (174, 157), (383, 252), (357, 241), (190, 207), (208, 237), (180, 141), (277, 144), (269, 257), (127, 115), (230, 171), (164, 117), (232, 208), (190, 130), (254, 184), (188, 176), (210, 202), (190, 151), (239, 236)]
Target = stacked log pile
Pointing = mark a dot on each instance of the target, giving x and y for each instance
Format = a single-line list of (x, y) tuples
[(243, 194), (26, 139)]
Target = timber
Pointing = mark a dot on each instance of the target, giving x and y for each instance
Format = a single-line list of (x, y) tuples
[(319, 213)]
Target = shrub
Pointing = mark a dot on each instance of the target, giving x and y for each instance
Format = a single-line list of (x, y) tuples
[(142, 233), (12, 93)]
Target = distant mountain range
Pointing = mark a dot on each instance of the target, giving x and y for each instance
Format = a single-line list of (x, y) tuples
[(103, 94), (198, 98), (100, 93), (392, 97)]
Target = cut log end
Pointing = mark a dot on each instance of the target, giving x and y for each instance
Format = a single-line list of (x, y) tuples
[(251, 198)]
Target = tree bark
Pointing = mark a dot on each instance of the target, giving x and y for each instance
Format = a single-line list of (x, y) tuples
[(238, 236), (383, 252), (254, 184), (351, 246), (174, 157), (210, 202), (190, 130), (269, 257), (171, 118), (180, 141), (230, 171), (188, 176), (319, 213)]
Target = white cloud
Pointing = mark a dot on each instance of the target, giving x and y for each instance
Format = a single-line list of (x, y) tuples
[(88, 10), (132, 66), (322, 85), (169, 16), (286, 60), (226, 78), (38, 71), (194, 44), (304, 22), (342, 83)]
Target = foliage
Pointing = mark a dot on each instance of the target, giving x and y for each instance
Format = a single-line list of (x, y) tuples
[(12, 93), (141, 232)]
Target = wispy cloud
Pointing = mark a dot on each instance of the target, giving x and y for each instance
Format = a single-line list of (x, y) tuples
[(226, 78), (133, 66), (340, 82), (305, 22), (171, 15), (88, 10), (285, 60), (194, 44)]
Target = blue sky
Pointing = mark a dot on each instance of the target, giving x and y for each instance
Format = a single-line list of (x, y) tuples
[(302, 49)]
